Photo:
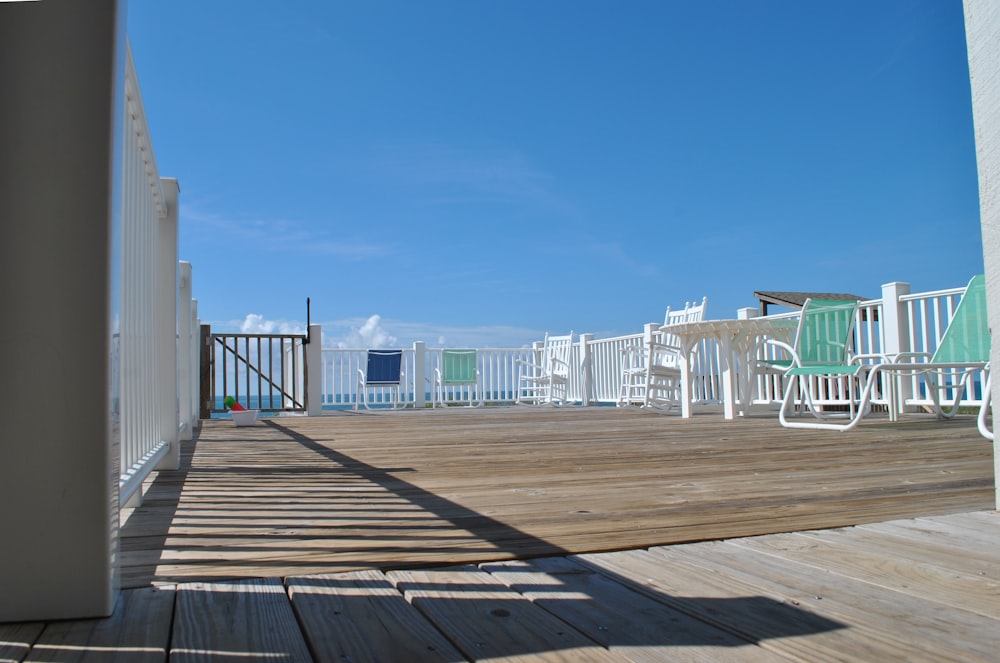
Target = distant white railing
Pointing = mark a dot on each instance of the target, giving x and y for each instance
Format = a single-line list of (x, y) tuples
[(156, 347), (607, 357), (913, 322), (499, 369)]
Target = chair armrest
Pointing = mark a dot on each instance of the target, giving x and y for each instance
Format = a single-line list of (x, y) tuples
[(665, 346), (632, 352), (782, 345), (908, 357), (632, 357), (865, 359)]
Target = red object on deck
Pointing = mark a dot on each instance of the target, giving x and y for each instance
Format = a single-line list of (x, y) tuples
[(237, 406)]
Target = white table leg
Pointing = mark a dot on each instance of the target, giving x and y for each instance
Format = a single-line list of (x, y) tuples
[(727, 368), (685, 362)]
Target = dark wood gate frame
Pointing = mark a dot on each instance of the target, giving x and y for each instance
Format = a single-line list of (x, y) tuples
[(228, 345)]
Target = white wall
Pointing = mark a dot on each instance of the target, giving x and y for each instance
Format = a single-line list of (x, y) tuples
[(61, 84), (982, 29)]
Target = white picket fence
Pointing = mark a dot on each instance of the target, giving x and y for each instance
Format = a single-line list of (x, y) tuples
[(911, 322)]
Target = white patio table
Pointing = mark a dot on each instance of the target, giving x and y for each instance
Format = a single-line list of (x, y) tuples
[(736, 338)]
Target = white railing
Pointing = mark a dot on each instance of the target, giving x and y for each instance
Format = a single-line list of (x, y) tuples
[(498, 368), (156, 339), (929, 314), (607, 359), (913, 323)]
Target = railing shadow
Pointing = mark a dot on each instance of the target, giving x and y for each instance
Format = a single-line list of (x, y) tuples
[(577, 606), (542, 599)]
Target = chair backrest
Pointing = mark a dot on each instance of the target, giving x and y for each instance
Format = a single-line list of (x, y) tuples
[(967, 338), (384, 366), (559, 348), (458, 367), (825, 330), (690, 313)]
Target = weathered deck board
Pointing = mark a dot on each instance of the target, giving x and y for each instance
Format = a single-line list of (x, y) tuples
[(488, 620), (775, 624), (938, 580), (16, 640), (243, 620), (139, 631), (360, 617), (298, 496), (907, 625), (620, 618)]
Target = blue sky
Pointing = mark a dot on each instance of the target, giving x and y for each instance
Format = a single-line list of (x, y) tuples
[(475, 173)]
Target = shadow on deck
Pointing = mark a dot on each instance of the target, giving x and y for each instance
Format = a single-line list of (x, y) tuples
[(561, 534)]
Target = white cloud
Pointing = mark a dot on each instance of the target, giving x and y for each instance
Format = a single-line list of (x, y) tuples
[(376, 331), (255, 323), (370, 334)]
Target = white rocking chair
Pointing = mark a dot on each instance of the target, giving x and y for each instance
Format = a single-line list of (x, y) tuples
[(651, 374), (546, 381)]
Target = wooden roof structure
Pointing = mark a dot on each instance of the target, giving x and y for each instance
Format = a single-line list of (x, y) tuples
[(795, 300)]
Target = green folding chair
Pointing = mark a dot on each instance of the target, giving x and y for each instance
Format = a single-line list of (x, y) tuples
[(985, 411), (822, 350), (964, 350), (457, 375)]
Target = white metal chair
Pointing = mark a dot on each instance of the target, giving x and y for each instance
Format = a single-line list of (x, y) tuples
[(984, 410), (547, 379), (651, 375)]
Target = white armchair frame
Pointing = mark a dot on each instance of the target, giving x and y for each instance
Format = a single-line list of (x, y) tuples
[(651, 375), (546, 381)]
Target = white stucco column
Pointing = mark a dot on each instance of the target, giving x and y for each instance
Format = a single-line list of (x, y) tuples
[(165, 332), (982, 32), (62, 85), (896, 337), (419, 379), (185, 348), (314, 371), (586, 370)]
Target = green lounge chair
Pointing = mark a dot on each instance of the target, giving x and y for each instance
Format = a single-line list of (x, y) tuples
[(963, 350), (459, 372), (822, 349), (984, 410)]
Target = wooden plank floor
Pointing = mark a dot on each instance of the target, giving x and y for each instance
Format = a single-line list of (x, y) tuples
[(391, 489), (925, 589), (554, 535)]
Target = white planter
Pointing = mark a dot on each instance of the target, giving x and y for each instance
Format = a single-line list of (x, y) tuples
[(245, 417)]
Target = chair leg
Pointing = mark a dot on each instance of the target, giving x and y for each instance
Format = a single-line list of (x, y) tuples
[(985, 408)]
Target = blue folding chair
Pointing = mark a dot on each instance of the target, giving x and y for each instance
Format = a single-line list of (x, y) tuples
[(384, 373)]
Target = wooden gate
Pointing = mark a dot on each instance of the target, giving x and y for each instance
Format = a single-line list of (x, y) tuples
[(265, 372)]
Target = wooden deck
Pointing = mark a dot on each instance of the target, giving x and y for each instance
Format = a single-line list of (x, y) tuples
[(555, 534)]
